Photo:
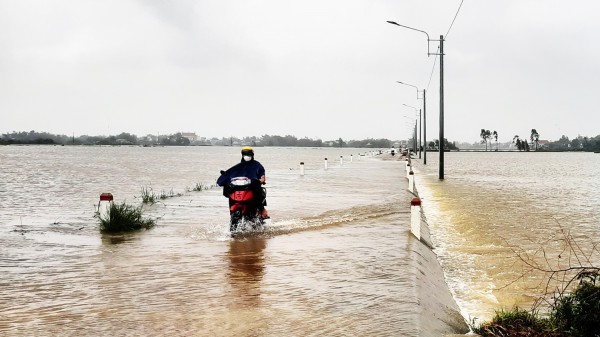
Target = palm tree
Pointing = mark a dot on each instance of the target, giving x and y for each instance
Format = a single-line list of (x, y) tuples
[(485, 135), (496, 139), (535, 137)]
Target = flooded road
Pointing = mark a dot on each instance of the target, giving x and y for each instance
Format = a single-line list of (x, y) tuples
[(337, 258)]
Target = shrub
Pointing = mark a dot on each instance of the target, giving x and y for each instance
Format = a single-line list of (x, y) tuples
[(148, 196), (573, 314), (578, 313), (199, 187), (124, 218), (516, 322)]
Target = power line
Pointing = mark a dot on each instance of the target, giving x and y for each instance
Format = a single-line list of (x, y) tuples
[(446, 37), (461, 3), (434, 62)]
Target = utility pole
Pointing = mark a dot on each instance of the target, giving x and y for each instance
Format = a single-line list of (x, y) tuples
[(441, 168), (424, 129), (420, 134), (415, 142), (441, 54)]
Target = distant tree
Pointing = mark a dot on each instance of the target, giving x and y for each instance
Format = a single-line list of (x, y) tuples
[(449, 146), (176, 139), (591, 144), (485, 135), (370, 142), (435, 144), (564, 142), (535, 137), (576, 143), (128, 138), (517, 141), (495, 134), (341, 142)]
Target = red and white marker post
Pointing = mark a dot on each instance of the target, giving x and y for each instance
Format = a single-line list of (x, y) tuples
[(106, 199), (415, 217)]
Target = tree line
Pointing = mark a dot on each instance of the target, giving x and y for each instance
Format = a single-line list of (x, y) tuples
[(523, 144), (179, 139)]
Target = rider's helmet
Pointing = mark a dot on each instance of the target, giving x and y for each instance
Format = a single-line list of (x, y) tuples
[(247, 151)]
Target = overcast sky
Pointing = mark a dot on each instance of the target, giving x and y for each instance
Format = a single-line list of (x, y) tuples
[(309, 68)]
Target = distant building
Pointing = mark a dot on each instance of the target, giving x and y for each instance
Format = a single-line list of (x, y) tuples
[(543, 143), (191, 136)]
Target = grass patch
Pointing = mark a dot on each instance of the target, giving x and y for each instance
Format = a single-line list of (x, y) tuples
[(148, 195), (165, 195), (516, 322), (124, 218), (199, 187)]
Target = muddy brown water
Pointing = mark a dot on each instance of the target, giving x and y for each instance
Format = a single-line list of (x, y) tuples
[(337, 258)]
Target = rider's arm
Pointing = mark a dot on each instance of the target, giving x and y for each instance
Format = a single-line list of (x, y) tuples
[(261, 173), (223, 179)]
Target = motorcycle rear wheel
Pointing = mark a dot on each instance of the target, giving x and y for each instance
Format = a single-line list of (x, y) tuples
[(236, 219)]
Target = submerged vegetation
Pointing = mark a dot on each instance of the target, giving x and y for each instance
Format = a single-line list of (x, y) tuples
[(200, 187), (124, 218), (150, 197)]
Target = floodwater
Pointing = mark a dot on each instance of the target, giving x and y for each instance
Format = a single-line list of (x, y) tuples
[(495, 213), (336, 259)]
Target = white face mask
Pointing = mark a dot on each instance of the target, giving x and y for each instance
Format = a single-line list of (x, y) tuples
[(247, 158)]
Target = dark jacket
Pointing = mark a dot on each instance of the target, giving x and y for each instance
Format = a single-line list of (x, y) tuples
[(251, 169)]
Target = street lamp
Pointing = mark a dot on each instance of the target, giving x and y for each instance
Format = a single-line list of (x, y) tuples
[(420, 133), (441, 55), (424, 130)]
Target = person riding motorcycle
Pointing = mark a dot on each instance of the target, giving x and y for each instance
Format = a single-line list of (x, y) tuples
[(252, 169)]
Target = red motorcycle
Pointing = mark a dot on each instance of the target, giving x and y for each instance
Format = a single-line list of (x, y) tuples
[(245, 195)]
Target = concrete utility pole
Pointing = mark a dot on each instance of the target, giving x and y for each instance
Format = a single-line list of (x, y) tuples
[(441, 54), (424, 130), (441, 168)]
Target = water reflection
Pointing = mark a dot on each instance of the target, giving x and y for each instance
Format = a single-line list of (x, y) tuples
[(246, 269), (115, 239)]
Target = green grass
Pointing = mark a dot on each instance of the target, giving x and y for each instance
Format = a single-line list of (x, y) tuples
[(124, 218), (148, 196), (515, 322), (578, 313), (199, 187)]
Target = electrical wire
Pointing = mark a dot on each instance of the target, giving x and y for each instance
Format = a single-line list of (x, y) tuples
[(432, 70), (452, 24), (446, 37)]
